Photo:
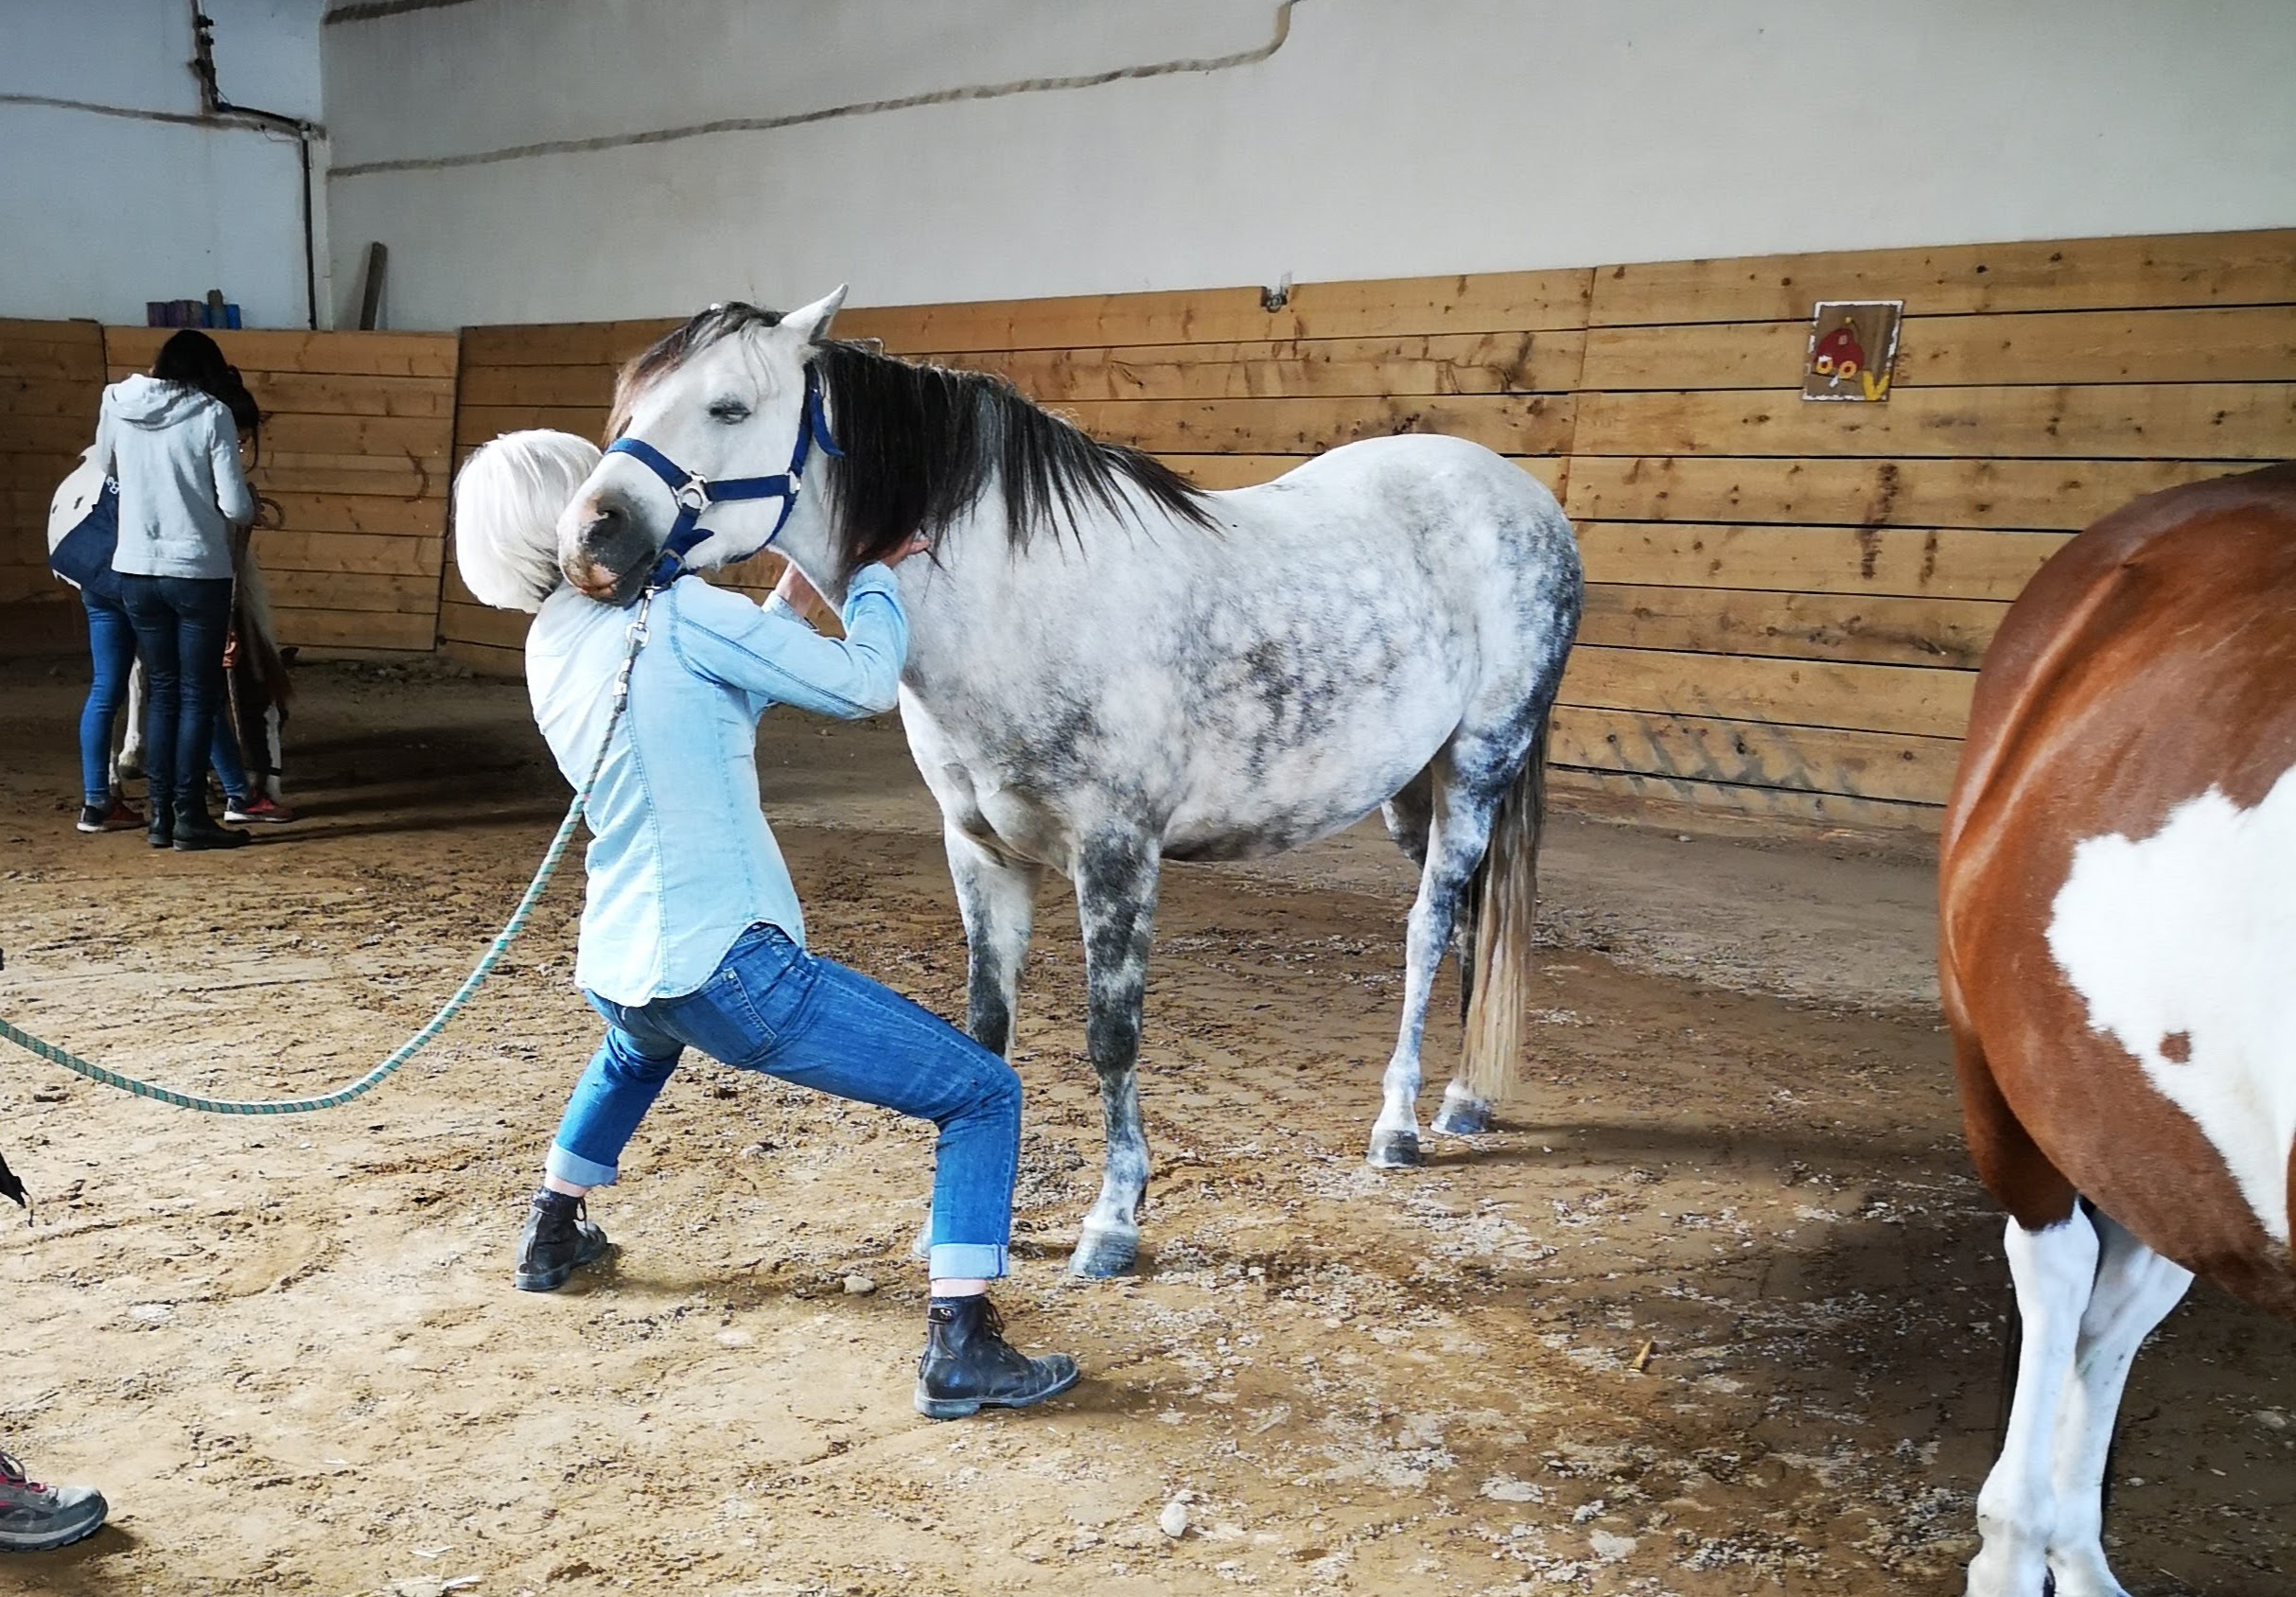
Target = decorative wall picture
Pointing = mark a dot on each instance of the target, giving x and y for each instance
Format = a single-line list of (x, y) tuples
[(1854, 346)]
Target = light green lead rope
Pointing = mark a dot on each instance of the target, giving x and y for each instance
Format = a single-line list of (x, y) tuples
[(448, 1011)]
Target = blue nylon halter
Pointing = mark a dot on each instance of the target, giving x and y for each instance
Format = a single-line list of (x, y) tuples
[(695, 493)]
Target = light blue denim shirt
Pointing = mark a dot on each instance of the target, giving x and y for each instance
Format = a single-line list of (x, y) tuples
[(681, 860)]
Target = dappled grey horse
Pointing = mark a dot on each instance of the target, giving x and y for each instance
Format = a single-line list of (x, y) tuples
[(1109, 669)]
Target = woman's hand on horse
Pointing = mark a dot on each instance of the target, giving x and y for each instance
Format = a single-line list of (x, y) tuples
[(916, 545), (794, 591)]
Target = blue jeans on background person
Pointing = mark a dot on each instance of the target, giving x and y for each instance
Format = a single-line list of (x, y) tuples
[(776, 1008), (112, 643), (181, 623)]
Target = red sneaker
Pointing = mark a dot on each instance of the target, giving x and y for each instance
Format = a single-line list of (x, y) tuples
[(258, 808), (121, 816)]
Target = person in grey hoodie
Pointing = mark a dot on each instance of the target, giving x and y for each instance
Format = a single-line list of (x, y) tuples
[(171, 440)]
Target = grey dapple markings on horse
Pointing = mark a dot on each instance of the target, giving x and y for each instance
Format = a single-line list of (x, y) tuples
[(1109, 669)]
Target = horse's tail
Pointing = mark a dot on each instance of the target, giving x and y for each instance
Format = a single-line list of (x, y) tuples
[(1505, 895)]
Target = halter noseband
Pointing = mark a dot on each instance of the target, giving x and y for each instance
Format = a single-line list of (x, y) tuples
[(695, 493)]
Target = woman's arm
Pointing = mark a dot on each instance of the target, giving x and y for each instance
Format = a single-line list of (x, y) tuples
[(233, 496), (763, 651)]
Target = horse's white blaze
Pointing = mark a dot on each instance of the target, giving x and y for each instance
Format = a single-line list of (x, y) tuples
[(2182, 944)]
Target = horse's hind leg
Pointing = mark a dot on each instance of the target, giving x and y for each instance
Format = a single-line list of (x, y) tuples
[(2089, 1293), (2054, 1267), (2134, 1289), (1458, 829), (1409, 816), (1117, 904)]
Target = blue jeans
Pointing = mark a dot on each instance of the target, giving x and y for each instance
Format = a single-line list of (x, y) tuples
[(774, 1008), (180, 626), (112, 641)]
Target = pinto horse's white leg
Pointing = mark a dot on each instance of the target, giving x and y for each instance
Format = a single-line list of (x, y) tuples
[(1459, 829), (2054, 1269), (2135, 1288), (1117, 904)]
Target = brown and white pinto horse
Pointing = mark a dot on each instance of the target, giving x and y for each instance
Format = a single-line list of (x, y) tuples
[(2117, 896)]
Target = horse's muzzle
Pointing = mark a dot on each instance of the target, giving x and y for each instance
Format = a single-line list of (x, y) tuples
[(608, 558)]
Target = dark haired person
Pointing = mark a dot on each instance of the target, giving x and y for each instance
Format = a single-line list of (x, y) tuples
[(172, 441)]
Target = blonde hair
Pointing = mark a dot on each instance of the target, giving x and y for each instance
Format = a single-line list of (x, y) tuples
[(507, 500)]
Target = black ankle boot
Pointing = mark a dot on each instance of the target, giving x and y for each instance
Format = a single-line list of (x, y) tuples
[(968, 1365), (559, 1237), (161, 834), (195, 828)]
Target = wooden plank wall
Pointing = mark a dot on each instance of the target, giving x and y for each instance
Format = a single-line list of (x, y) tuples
[(1787, 601), (357, 435), (51, 383)]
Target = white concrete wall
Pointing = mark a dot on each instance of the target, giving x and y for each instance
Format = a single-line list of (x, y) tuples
[(1383, 138), (100, 213)]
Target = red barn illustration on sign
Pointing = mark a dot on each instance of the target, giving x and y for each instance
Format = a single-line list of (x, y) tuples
[(1839, 357)]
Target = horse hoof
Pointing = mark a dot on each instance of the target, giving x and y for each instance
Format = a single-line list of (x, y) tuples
[(920, 1246), (1394, 1151), (1462, 1117), (1102, 1255)]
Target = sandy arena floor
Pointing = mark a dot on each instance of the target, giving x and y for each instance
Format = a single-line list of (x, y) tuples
[(289, 1351)]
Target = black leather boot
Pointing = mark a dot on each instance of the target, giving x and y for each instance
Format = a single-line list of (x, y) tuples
[(161, 834), (559, 1238), (195, 828), (968, 1365)]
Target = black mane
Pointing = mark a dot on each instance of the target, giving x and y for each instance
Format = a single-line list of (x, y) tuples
[(923, 444)]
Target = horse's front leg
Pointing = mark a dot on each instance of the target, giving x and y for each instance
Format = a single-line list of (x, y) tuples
[(997, 897), (129, 762), (997, 900), (1116, 907)]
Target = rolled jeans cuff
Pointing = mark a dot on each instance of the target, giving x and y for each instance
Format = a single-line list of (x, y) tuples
[(959, 1261), (575, 1169)]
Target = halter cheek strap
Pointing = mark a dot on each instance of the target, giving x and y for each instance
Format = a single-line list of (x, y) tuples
[(695, 493)]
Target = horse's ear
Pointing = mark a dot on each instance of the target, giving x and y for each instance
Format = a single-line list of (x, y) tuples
[(810, 323)]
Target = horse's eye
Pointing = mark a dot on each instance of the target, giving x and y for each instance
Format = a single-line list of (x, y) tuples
[(729, 410)]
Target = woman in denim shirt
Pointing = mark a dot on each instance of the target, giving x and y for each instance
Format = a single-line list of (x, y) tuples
[(691, 936)]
